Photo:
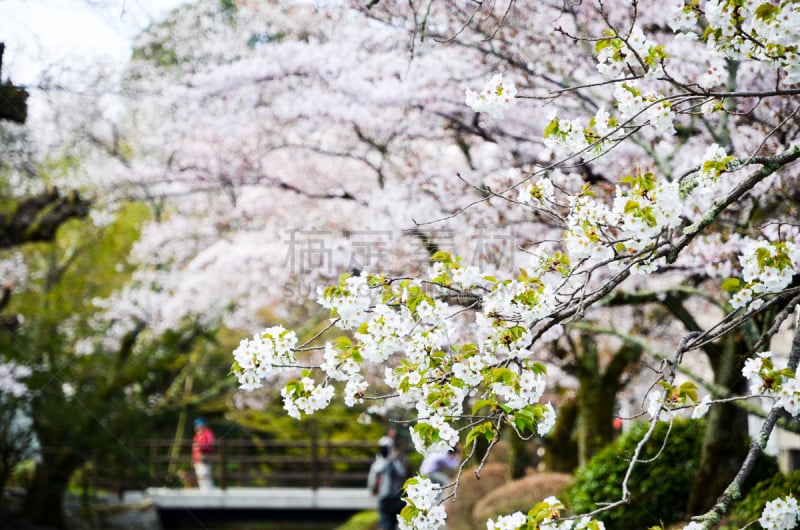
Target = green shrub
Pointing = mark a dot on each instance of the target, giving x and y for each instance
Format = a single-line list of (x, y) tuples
[(659, 489), (750, 508), (368, 520)]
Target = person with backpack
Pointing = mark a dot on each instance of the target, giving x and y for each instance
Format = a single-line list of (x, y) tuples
[(385, 481), (202, 447)]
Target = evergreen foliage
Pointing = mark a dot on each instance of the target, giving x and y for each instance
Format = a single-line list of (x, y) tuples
[(659, 490)]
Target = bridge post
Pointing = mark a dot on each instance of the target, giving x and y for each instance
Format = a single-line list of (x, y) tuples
[(223, 462), (314, 463), (328, 471), (153, 454)]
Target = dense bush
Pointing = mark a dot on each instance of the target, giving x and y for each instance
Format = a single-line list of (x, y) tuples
[(750, 508), (659, 490), (361, 521)]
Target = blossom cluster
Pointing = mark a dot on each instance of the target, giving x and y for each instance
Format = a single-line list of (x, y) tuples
[(643, 208), (389, 318), (349, 300), (495, 97), (616, 56), (260, 357), (305, 396), (780, 514), (714, 161), (436, 376), (681, 16), (567, 137), (631, 101), (778, 383), (584, 238), (767, 267), (571, 137), (424, 512), (540, 193), (766, 31), (544, 516)]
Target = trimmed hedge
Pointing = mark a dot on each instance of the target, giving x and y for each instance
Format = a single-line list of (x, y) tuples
[(519, 495), (470, 491)]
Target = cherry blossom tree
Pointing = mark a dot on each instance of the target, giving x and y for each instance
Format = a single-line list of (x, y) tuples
[(367, 132), (671, 144), (635, 157)]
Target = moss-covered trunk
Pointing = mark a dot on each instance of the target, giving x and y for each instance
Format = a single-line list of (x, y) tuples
[(561, 449), (726, 437), (595, 418), (518, 457), (597, 393), (44, 498)]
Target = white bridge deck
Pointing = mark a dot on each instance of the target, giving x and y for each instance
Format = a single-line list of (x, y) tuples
[(344, 499)]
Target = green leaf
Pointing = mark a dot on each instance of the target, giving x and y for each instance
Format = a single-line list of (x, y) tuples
[(604, 43), (355, 353), (484, 430), (731, 285), (656, 54), (688, 390), (647, 181), (763, 255), (538, 368), (500, 375), (521, 424), (649, 216), (551, 128), (478, 405), (293, 386), (631, 206), (342, 341), (766, 12), (441, 256)]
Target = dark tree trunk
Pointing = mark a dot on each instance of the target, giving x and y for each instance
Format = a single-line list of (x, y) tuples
[(595, 416), (561, 449), (518, 457), (44, 498), (726, 438), (597, 394)]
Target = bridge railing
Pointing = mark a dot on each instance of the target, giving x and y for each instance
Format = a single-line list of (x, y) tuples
[(266, 463)]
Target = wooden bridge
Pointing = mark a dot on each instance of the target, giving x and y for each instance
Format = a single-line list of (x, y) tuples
[(188, 508), (265, 463), (261, 480)]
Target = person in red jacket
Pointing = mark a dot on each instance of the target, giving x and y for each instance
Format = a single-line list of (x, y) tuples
[(202, 447)]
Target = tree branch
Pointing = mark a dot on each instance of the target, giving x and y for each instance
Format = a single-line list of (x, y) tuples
[(38, 218), (733, 492)]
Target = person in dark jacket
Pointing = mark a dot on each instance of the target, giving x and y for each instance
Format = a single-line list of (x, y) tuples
[(385, 481)]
